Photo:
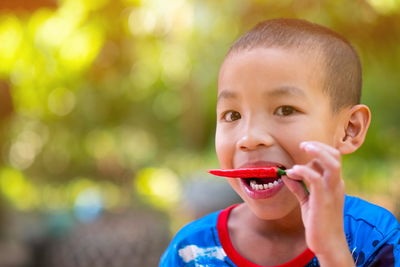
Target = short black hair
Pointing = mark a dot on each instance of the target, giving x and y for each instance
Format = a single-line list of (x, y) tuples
[(343, 74)]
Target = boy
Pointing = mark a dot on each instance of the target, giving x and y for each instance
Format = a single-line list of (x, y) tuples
[(288, 96)]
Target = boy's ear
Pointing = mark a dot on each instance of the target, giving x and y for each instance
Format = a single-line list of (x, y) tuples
[(355, 129)]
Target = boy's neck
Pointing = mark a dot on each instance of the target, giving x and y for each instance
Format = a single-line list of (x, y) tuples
[(266, 242)]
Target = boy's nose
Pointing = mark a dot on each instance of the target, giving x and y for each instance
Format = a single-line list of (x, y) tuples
[(252, 139)]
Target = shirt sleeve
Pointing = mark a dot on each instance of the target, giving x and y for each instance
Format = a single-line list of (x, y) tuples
[(171, 257)]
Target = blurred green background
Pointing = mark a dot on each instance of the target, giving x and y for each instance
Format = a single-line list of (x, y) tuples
[(107, 106)]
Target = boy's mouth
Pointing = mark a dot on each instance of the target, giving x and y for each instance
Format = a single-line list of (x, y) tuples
[(260, 179), (263, 187), (261, 183)]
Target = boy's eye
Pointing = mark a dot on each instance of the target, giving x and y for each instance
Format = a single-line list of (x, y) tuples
[(231, 116), (285, 111)]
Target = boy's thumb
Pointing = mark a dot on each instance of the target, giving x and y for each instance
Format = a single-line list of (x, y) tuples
[(297, 188)]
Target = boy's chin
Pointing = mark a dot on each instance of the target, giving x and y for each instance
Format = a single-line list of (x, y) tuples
[(283, 204), (281, 211)]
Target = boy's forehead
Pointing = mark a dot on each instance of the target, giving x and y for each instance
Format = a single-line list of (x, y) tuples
[(280, 91), (282, 71)]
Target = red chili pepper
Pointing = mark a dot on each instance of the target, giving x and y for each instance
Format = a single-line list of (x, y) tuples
[(249, 172)]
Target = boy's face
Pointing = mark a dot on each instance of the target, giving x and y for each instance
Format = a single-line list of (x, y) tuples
[(270, 100)]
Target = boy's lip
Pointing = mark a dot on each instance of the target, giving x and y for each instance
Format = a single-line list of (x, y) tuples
[(261, 194), (262, 163)]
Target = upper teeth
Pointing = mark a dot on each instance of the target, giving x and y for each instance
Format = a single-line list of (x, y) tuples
[(256, 186)]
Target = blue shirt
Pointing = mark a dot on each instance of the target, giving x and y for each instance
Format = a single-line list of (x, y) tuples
[(372, 234)]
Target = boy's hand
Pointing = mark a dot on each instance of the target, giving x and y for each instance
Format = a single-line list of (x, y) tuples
[(322, 207)]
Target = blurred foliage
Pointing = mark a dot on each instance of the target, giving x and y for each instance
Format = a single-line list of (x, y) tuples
[(113, 101)]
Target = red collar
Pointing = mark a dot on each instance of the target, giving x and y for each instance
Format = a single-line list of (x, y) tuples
[(222, 226)]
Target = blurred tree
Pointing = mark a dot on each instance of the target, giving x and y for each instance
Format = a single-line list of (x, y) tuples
[(104, 89), (107, 104), (6, 110), (24, 5)]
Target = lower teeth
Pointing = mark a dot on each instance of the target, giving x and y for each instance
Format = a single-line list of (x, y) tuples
[(256, 186)]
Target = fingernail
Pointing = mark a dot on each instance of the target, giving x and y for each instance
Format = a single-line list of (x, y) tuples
[(303, 144), (308, 147), (289, 172)]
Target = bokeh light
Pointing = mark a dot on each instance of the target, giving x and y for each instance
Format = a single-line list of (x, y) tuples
[(159, 186)]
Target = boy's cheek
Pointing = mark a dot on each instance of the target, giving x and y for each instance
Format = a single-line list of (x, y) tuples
[(224, 154), (222, 141), (224, 160)]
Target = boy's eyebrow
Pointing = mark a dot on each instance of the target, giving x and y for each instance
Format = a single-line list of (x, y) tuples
[(226, 94), (284, 91)]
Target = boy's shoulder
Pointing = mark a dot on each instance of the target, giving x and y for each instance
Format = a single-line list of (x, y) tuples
[(196, 241), (372, 233), (198, 228), (362, 211)]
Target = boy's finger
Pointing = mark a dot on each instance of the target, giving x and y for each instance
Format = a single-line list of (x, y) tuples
[(297, 189), (315, 184), (311, 144), (325, 159), (311, 178)]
